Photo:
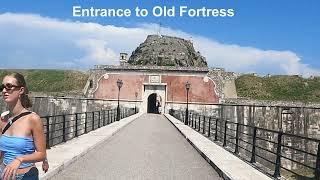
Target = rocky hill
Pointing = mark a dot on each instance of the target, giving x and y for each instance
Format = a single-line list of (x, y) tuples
[(167, 51)]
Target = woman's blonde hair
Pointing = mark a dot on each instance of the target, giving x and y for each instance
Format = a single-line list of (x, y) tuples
[(25, 100)]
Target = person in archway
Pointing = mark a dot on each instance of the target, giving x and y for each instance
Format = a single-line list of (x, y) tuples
[(158, 107), (22, 142)]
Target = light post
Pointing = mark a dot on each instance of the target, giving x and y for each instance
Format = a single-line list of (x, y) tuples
[(187, 113), (119, 84), (135, 104)]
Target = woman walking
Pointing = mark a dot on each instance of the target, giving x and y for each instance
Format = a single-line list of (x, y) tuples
[(22, 142)]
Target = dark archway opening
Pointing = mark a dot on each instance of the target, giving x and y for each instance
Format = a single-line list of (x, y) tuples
[(152, 103)]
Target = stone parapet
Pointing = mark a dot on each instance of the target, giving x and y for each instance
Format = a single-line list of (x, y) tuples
[(241, 101)]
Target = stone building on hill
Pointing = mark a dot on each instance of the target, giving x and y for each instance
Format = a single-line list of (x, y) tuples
[(157, 72), (167, 51)]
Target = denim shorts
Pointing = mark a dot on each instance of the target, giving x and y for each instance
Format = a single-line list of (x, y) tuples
[(32, 174)]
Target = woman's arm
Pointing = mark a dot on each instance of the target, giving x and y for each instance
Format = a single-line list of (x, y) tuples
[(2, 122)]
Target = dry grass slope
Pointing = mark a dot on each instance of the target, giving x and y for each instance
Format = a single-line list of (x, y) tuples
[(52, 81), (286, 88)]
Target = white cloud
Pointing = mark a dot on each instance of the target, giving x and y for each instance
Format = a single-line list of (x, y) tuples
[(32, 41)]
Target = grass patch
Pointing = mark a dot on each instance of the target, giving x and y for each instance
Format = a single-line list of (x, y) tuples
[(54, 81), (279, 88)]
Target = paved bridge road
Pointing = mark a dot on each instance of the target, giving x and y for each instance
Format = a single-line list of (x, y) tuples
[(148, 148)]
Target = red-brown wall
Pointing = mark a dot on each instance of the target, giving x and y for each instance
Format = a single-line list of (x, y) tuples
[(108, 89), (200, 91)]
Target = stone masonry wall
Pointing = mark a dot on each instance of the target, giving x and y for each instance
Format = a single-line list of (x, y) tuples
[(289, 117)]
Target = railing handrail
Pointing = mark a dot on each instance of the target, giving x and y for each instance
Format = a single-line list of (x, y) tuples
[(269, 130), (71, 114), (66, 125), (224, 135)]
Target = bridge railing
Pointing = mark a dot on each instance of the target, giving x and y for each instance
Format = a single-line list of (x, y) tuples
[(63, 127), (262, 147)]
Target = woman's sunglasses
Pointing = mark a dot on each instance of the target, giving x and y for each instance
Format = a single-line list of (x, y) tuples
[(8, 86)]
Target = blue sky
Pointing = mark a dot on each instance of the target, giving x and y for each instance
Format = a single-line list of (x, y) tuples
[(266, 36)]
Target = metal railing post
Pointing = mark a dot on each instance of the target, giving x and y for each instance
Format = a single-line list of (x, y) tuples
[(108, 117), (191, 118), (317, 170), (76, 131), (48, 133), (216, 131), (278, 160), (195, 122), (85, 123), (92, 121), (204, 124), (199, 123), (209, 127), (225, 133), (99, 115), (104, 117), (254, 138), (64, 128), (181, 119), (236, 151), (111, 116)]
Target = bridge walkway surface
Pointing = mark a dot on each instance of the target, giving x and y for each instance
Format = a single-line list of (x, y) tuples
[(150, 147)]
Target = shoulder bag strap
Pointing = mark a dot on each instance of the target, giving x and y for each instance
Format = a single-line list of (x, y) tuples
[(14, 119)]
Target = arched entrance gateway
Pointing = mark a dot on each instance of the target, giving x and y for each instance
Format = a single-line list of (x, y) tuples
[(153, 98), (152, 103)]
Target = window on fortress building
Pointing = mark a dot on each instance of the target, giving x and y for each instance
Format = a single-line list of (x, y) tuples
[(90, 84)]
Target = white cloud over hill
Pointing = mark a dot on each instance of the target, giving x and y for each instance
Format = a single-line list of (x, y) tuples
[(33, 41)]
